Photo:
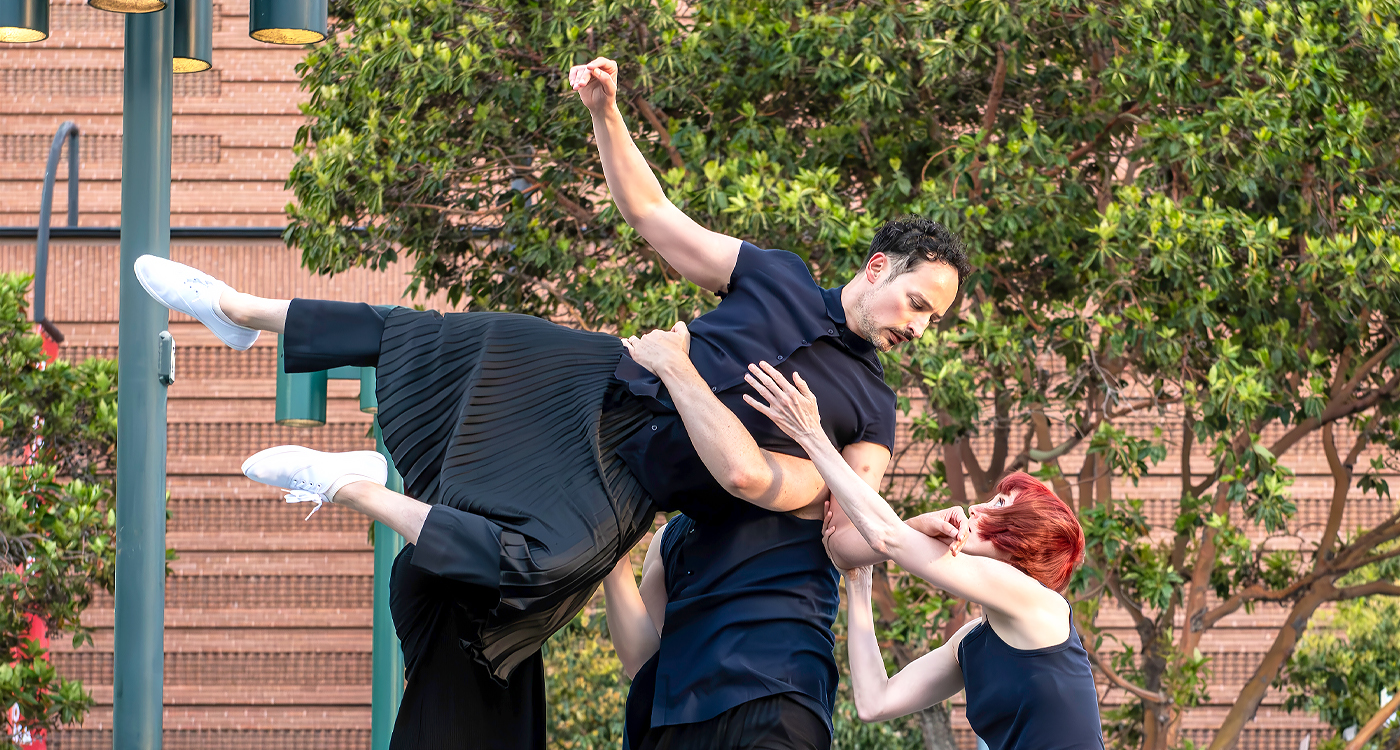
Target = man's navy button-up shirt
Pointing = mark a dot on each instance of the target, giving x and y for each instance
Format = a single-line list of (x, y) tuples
[(774, 312)]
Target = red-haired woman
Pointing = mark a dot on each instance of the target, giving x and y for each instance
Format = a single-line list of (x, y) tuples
[(1027, 676)]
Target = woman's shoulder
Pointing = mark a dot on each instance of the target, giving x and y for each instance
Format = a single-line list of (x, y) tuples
[(956, 640)]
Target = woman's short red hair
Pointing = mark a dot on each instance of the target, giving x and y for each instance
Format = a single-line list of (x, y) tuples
[(1038, 533)]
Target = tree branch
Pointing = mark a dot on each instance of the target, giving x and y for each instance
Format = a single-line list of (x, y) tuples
[(662, 134), (974, 469), (1341, 483), (1374, 588), (1112, 675), (989, 116), (1374, 724)]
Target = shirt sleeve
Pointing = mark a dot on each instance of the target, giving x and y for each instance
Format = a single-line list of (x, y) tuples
[(775, 264), (879, 426)]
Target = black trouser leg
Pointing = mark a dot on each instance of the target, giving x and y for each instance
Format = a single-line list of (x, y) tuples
[(451, 701), (322, 334)]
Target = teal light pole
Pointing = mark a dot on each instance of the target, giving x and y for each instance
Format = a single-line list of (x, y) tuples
[(301, 402), (138, 670)]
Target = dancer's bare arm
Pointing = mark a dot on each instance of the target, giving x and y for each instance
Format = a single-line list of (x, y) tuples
[(775, 481), (637, 614), (930, 679), (702, 256), (992, 583)]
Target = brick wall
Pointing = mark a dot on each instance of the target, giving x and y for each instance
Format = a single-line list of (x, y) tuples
[(268, 617)]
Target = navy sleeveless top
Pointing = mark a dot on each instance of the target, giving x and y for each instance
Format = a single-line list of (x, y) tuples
[(751, 600), (1040, 699)]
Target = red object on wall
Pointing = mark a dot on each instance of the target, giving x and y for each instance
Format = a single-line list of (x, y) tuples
[(38, 631)]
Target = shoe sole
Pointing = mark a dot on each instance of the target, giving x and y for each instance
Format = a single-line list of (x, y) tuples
[(140, 279)]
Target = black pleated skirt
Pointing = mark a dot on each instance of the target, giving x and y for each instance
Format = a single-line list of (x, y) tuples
[(516, 420)]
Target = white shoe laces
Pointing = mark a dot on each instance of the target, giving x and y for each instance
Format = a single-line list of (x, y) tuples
[(305, 492)]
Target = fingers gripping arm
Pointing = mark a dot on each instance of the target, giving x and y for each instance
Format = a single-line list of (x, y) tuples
[(848, 549)]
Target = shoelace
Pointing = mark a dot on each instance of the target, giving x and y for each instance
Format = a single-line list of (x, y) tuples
[(302, 496)]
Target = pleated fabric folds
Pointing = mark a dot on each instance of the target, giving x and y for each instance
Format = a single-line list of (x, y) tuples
[(517, 420)]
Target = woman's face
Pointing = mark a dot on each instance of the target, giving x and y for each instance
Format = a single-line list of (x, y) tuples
[(976, 544)]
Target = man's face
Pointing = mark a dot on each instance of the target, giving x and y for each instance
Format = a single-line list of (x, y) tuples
[(899, 308)]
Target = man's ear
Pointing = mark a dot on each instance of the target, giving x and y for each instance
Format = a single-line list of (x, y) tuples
[(877, 265)]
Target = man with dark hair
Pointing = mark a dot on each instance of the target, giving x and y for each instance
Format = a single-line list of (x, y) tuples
[(535, 456), (729, 634)]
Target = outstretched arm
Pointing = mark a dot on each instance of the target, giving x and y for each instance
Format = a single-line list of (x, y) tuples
[(991, 583), (636, 614), (930, 679), (704, 257)]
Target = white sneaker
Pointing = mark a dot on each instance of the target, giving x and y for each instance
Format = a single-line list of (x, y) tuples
[(194, 293), (314, 476)]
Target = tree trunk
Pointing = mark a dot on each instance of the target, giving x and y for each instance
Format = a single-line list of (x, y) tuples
[(937, 725), (1253, 692)]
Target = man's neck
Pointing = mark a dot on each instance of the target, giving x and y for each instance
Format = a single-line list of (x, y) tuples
[(850, 297)]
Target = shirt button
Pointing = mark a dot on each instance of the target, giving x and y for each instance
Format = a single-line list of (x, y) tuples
[(653, 428), (780, 358), (804, 342), (831, 331), (690, 572), (714, 388)]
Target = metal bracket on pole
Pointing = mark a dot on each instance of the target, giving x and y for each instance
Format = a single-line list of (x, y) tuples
[(67, 132), (165, 362)]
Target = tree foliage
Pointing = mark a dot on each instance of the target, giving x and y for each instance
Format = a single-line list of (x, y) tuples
[(1182, 216), (58, 426), (1341, 673)]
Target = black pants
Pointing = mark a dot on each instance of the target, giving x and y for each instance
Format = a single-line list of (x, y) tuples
[(774, 723), (451, 701), (321, 335)]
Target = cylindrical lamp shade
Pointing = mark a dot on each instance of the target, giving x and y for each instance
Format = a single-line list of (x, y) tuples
[(24, 20), (128, 6), (287, 21), (301, 397), (194, 35), (369, 402)]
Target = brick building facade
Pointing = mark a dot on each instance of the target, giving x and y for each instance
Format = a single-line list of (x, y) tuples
[(268, 618)]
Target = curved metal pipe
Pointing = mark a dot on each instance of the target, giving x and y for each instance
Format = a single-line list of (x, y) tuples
[(67, 132)]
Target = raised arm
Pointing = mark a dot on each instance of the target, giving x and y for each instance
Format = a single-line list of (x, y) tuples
[(704, 257), (635, 614), (930, 679)]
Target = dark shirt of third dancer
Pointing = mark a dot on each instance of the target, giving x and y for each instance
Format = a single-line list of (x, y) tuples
[(772, 312)]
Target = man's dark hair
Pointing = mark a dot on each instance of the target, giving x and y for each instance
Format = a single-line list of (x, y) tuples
[(911, 240)]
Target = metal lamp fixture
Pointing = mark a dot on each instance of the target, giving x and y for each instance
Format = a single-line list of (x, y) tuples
[(194, 35), (24, 20), (287, 21), (369, 402), (301, 397), (128, 6)]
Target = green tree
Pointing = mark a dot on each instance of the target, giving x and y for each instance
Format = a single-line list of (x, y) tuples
[(1340, 673), (57, 428), (1178, 210)]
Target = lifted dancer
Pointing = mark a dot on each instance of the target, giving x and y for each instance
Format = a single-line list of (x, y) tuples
[(534, 456)]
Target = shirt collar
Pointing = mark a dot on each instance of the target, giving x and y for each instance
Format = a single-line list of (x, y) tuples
[(850, 339)]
